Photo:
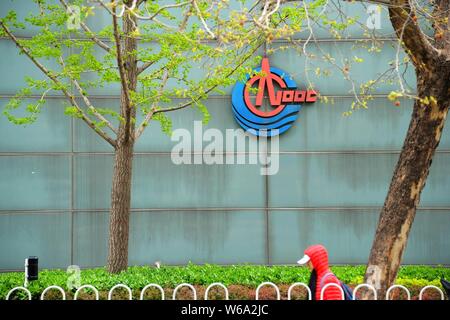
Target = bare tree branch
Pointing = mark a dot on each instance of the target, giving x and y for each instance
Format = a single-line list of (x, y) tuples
[(382, 2), (86, 100), (143, 67), (123, 75), (135, 5), (89, 32), (151, 17), (200, 16), (418, 47), (152, 110)]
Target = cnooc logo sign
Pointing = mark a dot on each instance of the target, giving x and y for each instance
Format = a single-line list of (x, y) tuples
[(284, 104)]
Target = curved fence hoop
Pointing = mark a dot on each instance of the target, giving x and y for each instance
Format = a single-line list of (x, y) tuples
[(18, 288), (130, 295), (431, 287), (397, 286), (174, 295), (268, 284), (332, 285), (219, 284), (362, 285), (155, 286), (54, 287), (301, 284), (86, 286)]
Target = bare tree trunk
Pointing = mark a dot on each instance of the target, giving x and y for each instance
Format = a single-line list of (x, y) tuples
[(121, 184), (398, 212)]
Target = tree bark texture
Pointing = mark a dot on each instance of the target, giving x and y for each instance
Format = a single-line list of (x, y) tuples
[(121, 185), (410, 174)]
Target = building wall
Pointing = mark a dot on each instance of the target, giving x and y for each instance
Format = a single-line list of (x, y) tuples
[(334, 174)]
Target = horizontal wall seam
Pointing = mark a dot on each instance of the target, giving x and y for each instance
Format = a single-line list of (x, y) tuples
[(167, 153), (7, 95), (208, 209), (213, 41)]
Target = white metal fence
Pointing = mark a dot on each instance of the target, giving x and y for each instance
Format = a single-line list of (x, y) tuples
[(221, 285)]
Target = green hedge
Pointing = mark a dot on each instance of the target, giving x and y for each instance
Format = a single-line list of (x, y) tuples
[(138, 277)]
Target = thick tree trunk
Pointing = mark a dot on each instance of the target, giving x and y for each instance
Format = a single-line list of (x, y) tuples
[(398, 212), (121, 184), (120, 208)]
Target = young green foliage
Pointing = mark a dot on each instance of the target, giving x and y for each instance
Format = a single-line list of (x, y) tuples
[(186, 51)]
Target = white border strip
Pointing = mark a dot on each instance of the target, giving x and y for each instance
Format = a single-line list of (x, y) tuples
[(269, 284), (217, 284), (87, 286), (152, 285), (54, 287), (174, 295), (130, 295), (302, 285)]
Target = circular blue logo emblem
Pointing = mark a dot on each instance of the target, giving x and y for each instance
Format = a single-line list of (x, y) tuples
[(284, 104)]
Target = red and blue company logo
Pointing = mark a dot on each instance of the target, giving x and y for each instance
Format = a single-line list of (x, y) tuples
[(284, 104)]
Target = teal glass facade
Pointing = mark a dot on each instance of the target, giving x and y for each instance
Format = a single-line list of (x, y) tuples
[(334, 174)]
